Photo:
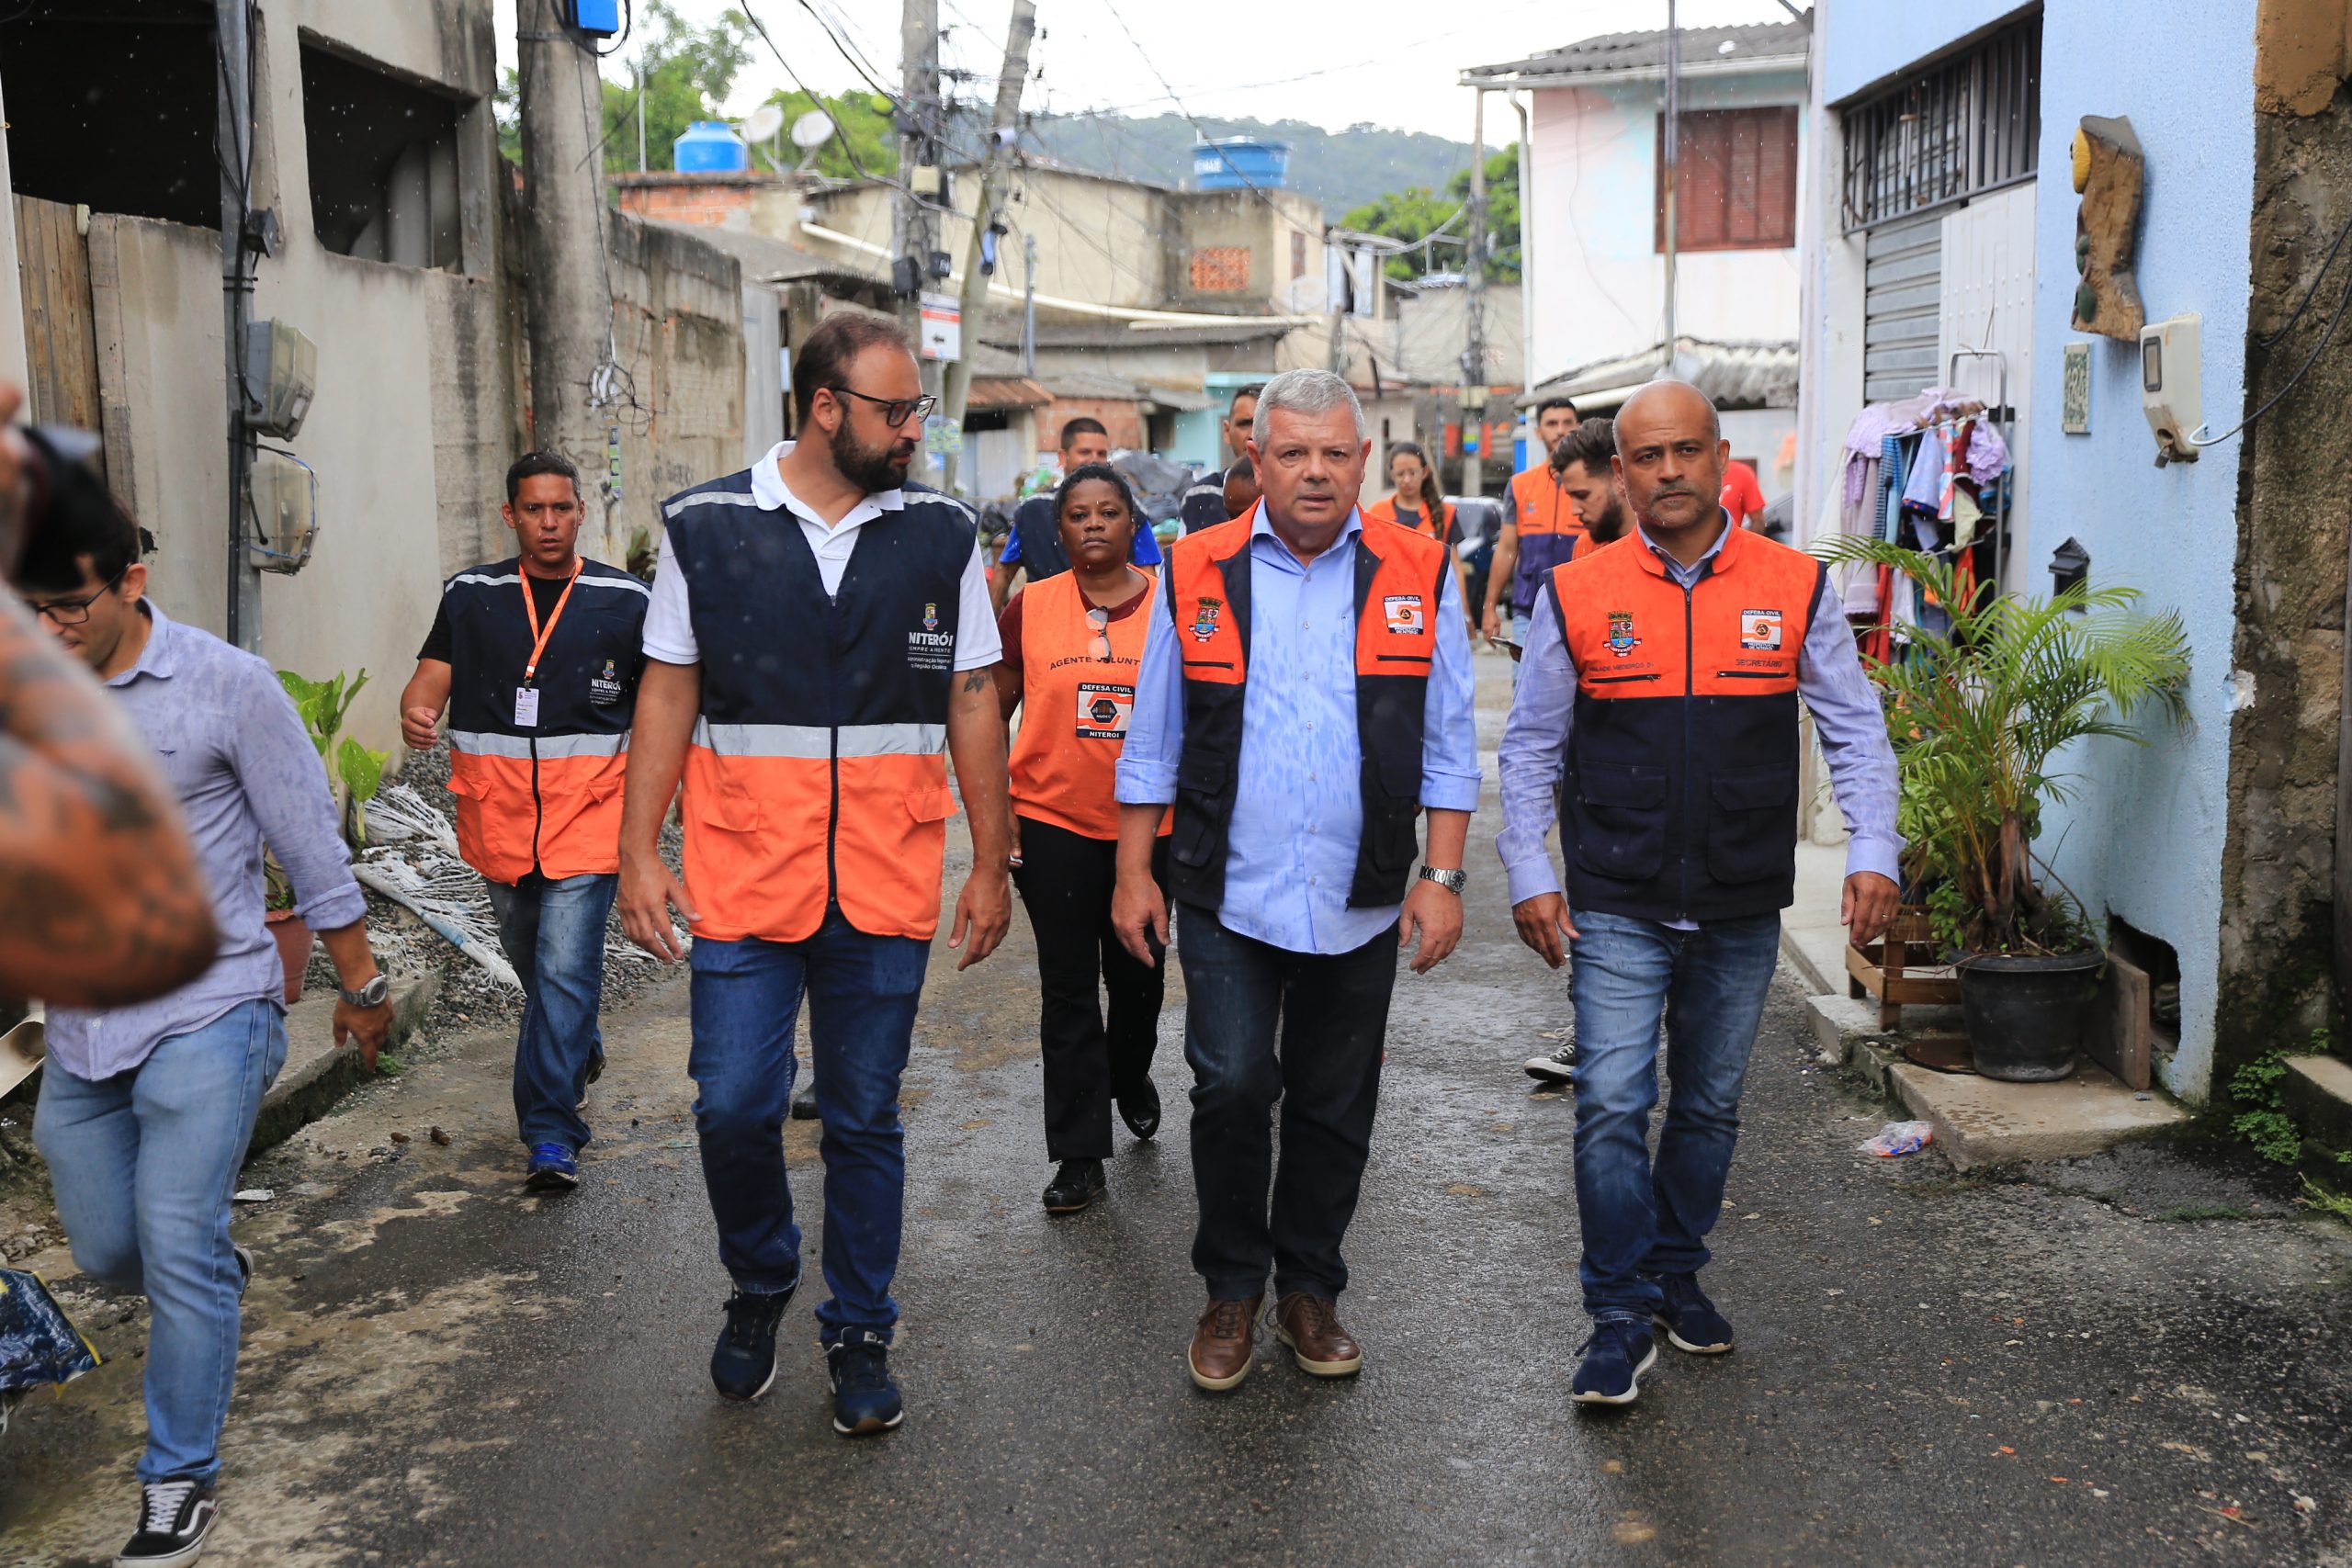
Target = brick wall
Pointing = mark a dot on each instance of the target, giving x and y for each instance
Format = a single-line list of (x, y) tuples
[(1120, 417), (713, 206)]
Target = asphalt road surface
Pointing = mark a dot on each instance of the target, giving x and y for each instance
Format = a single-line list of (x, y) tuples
[(2136, 1360)]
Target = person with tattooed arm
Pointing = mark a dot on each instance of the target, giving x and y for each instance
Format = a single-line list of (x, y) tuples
[(819, 632), (105, 903)]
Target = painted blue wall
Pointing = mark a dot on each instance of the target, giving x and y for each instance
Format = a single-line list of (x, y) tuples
[(1866, 40), (2144, 839)]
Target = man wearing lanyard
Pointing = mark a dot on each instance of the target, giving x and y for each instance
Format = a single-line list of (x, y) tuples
[(536, 659), (1305, 697), (1664, 672), (1540, 531)]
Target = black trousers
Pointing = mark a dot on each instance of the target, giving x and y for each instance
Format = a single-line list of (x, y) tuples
[(1064, 880), (1333, 1013)]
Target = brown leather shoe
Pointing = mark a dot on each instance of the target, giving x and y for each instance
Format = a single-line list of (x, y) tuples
[(1224, 1344), (1310, 1327)]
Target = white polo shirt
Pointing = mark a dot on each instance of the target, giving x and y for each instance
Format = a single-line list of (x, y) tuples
[(669, 625)]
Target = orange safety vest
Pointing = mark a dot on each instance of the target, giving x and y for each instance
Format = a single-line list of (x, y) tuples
[(1400, 579), (1549, 530), (817, 773), (1385, 511), (544, 797), (1074, 707), (1679, 800)]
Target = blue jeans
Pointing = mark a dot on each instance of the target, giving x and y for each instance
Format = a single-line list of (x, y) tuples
[(144, 1164), (862, 993), (554, 935), (1643, 1218), (1333, 1013)]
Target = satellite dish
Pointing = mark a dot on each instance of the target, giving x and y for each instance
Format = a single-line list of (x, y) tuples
[(811, 130), (766, 122)]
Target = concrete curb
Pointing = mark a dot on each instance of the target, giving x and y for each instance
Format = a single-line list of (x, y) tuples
[(318, 1072)]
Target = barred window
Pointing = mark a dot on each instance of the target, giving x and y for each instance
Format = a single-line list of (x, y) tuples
[(1966, 125)]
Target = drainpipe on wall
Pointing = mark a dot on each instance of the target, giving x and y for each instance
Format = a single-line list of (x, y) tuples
[(233, 20), (1526, 273)]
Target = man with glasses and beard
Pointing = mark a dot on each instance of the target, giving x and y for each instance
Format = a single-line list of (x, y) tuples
[(820, 631)]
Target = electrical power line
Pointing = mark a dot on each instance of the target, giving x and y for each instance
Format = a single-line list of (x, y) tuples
[(1198, 130)]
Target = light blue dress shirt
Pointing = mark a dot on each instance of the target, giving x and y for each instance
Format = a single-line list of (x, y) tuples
[(1298, 807), (1846, 716)]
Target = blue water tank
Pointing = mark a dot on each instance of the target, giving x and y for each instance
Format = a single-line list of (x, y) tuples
[(709, 146), (1231, 163)]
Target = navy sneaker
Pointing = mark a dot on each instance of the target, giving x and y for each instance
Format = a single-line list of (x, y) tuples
[(552, 1169), (1614, 1360), (743, 1364), (1690, 1319), (864, 1399)]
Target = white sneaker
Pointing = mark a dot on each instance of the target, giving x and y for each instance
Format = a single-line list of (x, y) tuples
[(1557, 1068), (175, 1517)]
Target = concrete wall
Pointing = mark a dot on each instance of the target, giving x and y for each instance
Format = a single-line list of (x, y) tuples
[(418, 406), (1600, 288)]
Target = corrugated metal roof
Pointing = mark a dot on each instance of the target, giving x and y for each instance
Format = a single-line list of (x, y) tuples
[(1732, 375), (1635, 53), (1006, 392)]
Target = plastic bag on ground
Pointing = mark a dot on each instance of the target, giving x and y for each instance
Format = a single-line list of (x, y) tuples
[(1900, 1138), (39, 1344)]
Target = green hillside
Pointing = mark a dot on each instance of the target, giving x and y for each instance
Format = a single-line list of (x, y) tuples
[(1341, 168)]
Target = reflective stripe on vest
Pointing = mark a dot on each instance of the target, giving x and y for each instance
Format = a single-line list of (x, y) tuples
[(815, 775), (543, 798), (1400, 579), (1681, 795), (1074, 706)]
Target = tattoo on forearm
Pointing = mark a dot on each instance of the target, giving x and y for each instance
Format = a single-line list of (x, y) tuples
[(977, 681)]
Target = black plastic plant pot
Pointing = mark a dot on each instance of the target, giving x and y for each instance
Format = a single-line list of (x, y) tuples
[(2025, 1015)]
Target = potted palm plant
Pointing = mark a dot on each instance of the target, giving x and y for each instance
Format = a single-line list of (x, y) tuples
[(1982, 713)]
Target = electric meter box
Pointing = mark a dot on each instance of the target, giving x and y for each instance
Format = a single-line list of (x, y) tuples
[(281, 370), (282, 510), (599, 17), (2170, 385)]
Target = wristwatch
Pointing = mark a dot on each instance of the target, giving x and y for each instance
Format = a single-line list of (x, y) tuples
[(371, 994), (1453, 881)]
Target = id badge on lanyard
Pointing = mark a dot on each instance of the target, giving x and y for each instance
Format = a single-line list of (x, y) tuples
[(526, 696)]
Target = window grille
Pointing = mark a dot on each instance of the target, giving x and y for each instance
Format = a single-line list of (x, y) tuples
[(1958, 128)]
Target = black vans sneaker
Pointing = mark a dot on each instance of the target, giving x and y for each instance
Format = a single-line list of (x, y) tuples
[(175, 1517)]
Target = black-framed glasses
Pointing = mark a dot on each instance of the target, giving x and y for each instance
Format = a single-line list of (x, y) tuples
[(73, 612), (896, 411), (1099, 619)]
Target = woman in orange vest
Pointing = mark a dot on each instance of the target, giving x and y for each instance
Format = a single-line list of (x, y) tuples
[(1418, 504), (1071, 647)]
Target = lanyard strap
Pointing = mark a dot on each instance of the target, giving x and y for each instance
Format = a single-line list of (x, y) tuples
[(531, 608)]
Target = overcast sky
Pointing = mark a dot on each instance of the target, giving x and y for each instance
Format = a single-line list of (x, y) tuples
[(1392, 62)]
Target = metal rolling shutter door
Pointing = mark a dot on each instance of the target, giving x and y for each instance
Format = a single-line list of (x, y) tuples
[(1902, 283)]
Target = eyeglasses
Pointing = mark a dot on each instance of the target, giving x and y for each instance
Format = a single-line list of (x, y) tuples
[(895, 410), (1099, 619), (73, 612)]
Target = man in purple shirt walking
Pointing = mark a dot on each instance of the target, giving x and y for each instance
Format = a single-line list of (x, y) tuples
[(1662, 676), (145, 1111)]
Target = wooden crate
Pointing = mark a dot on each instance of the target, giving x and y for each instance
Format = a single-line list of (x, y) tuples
[(1884, 969)]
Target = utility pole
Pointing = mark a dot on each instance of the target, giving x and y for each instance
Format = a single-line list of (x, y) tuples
[(1002, 127), (1670, 159), (1029, 309), (1474, 356), (914, 232), (641, 109), (567, 311), (235, 136)]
